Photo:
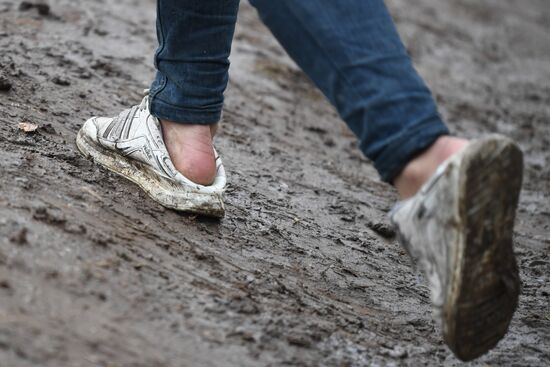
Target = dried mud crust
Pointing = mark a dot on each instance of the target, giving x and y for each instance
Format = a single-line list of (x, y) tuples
[(304, 270)]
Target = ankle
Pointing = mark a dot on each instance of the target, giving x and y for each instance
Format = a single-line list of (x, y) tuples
[(423, 166)]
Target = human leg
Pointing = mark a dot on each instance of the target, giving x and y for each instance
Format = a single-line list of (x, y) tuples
[(192, 64), (459, 225), (351, 50), (192, 59), (164, 144)]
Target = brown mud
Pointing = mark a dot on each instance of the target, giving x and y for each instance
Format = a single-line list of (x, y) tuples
[(304, 270)]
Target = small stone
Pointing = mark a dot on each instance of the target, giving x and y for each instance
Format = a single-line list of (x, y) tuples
[(25, 5), (20, 237), (329, 142), (48, 128), (50, 216), (60, 80), (398, 352), (5, 84), (395, 352), (299, 340), (101, 32), (383, 229), (41, 7)]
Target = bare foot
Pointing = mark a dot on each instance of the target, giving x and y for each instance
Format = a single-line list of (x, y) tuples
[(422, 167), (190, 148)]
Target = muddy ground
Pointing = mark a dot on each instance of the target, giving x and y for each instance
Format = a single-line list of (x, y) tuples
[(304, 270)]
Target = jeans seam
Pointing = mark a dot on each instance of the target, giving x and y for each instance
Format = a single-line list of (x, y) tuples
[(162, 43), (162, 46), (156, 92)]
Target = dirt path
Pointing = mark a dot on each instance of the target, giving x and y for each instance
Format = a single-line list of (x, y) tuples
[(304, 270)]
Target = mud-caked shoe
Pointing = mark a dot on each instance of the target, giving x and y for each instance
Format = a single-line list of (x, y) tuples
[(131, 144), (458, 228)]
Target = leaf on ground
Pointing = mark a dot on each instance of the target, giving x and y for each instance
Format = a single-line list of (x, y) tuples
[(28, 127)]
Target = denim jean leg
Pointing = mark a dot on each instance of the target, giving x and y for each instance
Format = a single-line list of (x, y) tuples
[(192, 59), (351, 50)]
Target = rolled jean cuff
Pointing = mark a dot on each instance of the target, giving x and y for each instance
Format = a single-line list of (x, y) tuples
[(403, 149), (166, 111), (168, 102)]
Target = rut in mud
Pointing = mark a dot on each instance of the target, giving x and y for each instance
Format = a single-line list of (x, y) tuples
[(304, 270)]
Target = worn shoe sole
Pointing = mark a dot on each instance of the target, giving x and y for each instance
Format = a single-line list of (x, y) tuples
[(163, 191), (484, 286)]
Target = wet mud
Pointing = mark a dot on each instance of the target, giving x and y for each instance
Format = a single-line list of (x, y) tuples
[(304, 270)]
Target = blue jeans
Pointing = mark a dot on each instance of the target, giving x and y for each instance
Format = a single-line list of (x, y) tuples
[(350, 49)]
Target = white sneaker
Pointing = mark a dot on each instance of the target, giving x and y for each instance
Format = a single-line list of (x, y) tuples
[(459, 229), (131, 144)]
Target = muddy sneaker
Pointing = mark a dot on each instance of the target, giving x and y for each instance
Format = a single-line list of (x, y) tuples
[(459, 228), (131, 144)]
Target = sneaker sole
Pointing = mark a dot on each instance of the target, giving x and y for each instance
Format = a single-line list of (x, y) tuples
[(485, 284), (161, 190)]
